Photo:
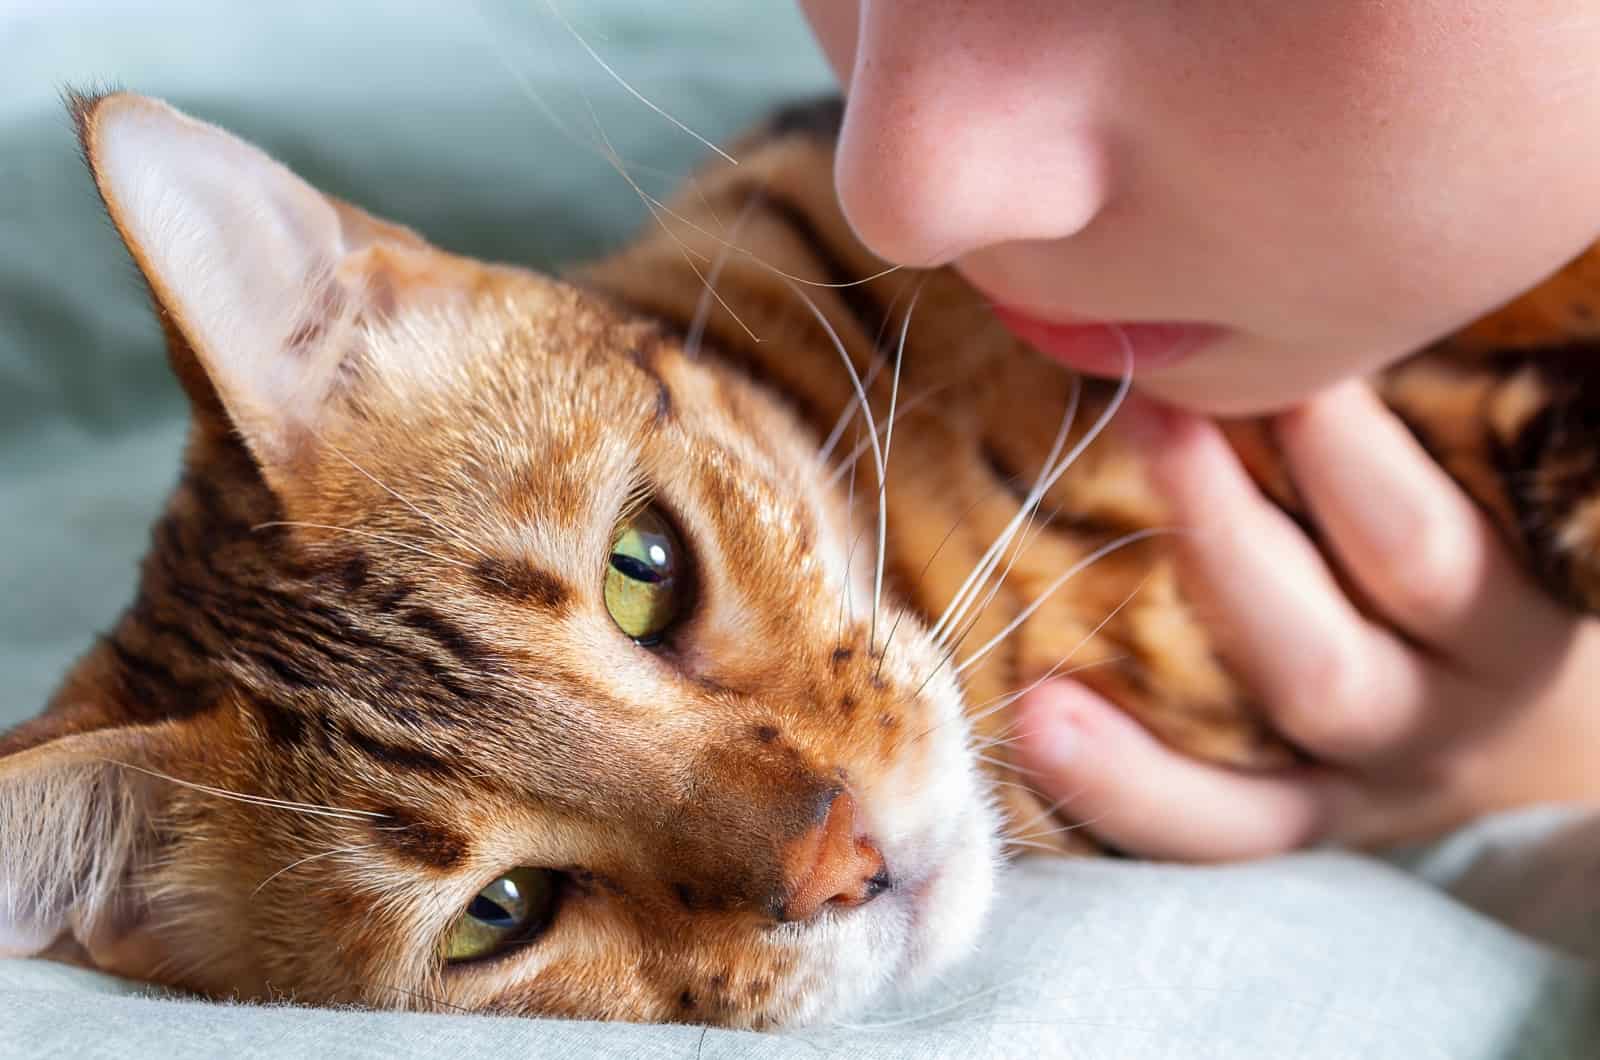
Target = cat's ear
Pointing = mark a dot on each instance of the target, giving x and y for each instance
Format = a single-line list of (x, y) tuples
[(79, 802), (264, 284)]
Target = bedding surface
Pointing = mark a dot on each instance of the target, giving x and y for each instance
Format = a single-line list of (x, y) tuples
[(475, 123)]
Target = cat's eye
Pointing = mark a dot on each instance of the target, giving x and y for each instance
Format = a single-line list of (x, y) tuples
[(643, 576), (513, 909)]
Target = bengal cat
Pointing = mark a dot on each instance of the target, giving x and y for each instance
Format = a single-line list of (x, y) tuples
[(575, 647)]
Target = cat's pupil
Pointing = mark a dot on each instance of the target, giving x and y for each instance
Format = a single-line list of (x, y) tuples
[(491, 913), (636, 568)]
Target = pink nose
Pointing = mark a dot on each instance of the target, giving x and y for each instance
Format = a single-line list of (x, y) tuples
[(832, 865)]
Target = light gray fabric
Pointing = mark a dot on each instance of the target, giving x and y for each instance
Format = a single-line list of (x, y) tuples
[(433, 113), (1316, 956), (1537, 871)]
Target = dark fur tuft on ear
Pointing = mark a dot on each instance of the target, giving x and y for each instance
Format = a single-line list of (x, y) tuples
[(80, 104)]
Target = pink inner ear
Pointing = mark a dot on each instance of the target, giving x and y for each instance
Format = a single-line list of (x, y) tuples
[(73, 823), (250, 261)]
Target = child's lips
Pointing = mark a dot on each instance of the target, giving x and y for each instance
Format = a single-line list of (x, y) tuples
[(1101, 347)]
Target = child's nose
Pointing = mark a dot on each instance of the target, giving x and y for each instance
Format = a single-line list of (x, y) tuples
[(940, 157)]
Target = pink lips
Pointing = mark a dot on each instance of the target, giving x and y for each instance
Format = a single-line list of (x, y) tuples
[(1102, 347)]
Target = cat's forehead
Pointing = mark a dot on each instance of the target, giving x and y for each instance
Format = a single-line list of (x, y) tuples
[(545, 392), (523, 424)]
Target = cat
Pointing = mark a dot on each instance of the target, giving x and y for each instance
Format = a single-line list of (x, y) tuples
[(526, 646)]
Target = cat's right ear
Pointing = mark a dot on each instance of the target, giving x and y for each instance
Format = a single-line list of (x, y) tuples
[(264, 284), (80, 802)]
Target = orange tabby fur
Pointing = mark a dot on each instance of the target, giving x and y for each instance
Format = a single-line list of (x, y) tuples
[(368, 668)]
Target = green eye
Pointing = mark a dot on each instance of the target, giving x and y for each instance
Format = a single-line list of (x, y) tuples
[(642, 578), (512, 909)]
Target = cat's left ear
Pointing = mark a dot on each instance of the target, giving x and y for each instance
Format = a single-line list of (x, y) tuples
[(266, 286), (79, 806)]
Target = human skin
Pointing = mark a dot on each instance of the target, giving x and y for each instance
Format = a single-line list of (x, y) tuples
[(1321, 187), (1332, 182)]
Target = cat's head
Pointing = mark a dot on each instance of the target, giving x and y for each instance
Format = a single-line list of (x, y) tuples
[(494, 653)]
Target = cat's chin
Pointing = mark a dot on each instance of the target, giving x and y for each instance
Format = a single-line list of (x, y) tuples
[(947, 907)]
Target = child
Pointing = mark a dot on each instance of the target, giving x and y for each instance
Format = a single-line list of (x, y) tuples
[(1269, 200)]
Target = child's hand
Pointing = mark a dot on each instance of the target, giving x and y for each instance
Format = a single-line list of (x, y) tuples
[(1459, 689)]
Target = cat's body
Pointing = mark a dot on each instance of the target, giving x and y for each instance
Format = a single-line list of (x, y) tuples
[(378, 639), (1509, 407)]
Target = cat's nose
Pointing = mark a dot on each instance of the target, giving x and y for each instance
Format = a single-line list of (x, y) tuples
[(832, 864)]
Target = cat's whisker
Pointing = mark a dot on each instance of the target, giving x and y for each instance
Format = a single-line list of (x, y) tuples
[(702, 310), (1029, 844), (978, 713), (923, 573), (387, 539), (849, 602), (656, 208), (994, 706), (952, 646), (999, 741), (420, 996), (1016, 548), (845, 419), (305, 861), (1064, 828), (782, 273), (1048, 473), (657, 204), (1000, 703), (849, 560), (710, 208), (1045, 814), (1011, 627), (1133, 537), (872, 433), (976, 610), (998, 783), (883, 477), (309, 809), (494, 40), (959, 608), (1035, 500), (1036, 496), (634, 92), (1035, 839), (910, 405)]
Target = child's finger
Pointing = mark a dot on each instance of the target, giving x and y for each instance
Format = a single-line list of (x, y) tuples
[(1118, 782), (1329, 679), (1408, 535)]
